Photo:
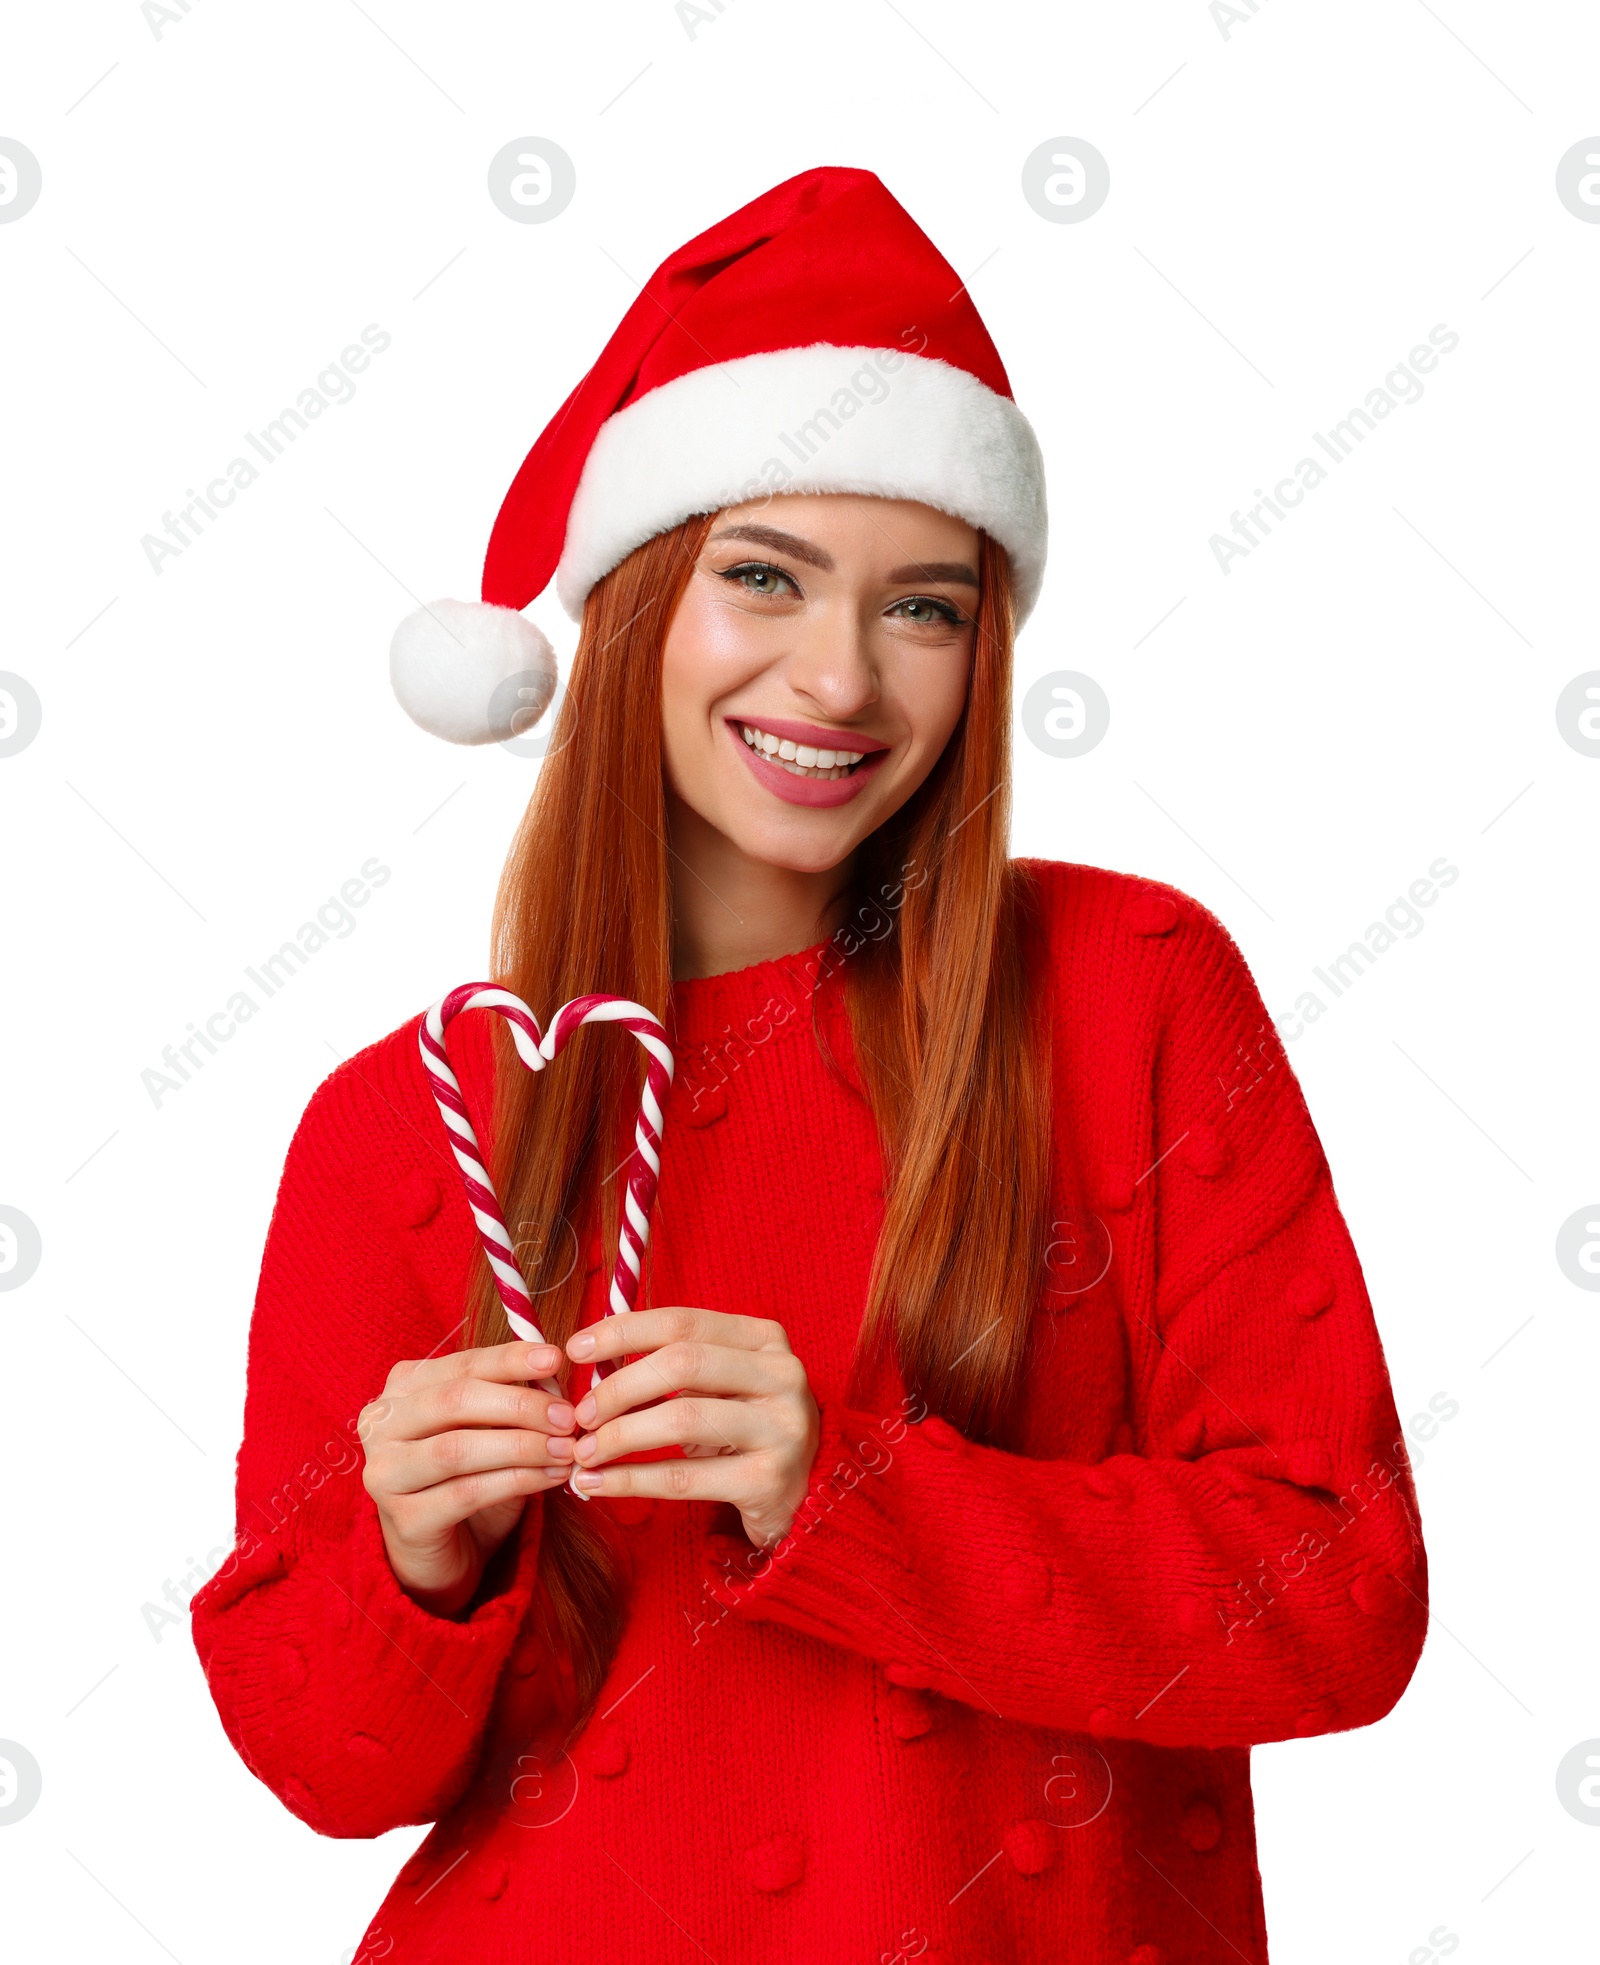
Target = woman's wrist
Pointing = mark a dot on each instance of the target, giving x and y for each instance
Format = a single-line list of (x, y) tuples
[(429, 1584)]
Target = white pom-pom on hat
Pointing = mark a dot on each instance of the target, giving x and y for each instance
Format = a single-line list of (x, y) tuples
[(470, 672)]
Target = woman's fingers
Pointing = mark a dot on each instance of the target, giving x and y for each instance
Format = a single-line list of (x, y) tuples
[(503, 1363), (748, 1428), (458, 1402), (712, 1426), (454, 1446), (674, 1323), (690, 1365), (716, 1479), (433, 1511), (409, 1466)]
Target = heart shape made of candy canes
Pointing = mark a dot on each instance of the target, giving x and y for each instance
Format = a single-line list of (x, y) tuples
[(536, 1051)]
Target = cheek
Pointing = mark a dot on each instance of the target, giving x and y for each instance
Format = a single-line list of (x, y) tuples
[(933, 698), (710, 649)]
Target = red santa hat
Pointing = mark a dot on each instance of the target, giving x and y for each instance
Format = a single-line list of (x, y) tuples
[(815, 341)]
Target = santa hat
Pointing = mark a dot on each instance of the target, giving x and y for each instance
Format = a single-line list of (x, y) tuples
[(815, 341)]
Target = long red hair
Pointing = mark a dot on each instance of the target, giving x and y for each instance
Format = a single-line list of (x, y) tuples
[(936, 987)]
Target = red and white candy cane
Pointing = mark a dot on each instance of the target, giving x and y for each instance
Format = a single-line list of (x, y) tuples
[(536, 1052)]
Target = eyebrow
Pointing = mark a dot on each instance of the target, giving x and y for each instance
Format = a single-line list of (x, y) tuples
[(953, 572), (950, 572), (780, 542)]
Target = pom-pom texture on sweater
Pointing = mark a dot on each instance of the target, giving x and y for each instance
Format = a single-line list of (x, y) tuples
[(980, 1707)]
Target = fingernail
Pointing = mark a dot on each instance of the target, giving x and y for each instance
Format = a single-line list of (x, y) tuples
[(560, 1415), (584, 1446), (581, 1346), (543, 1357), (559, 1447), (588, 1481), (586, 1409)]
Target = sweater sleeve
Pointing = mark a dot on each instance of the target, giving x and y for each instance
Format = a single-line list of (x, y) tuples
[(1251, 1569), (358, 1708)]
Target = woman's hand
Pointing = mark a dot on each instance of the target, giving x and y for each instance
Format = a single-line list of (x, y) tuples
[(749, 1406), (454, 1447)]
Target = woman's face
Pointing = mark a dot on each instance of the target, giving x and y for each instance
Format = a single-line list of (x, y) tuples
[(815, 669)]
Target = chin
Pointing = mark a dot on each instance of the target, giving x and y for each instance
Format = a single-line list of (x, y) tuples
[(797, 848), (822, 859)]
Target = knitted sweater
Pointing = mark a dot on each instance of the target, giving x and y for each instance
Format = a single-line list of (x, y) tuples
[(980, 1707)]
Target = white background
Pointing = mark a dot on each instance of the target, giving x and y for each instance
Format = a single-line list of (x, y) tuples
[(1293, 205)]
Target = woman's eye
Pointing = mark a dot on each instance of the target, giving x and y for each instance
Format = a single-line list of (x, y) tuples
[(757, 578), (923, 610)]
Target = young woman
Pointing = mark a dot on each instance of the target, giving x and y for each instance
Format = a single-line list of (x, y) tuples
[(1003, 1445)]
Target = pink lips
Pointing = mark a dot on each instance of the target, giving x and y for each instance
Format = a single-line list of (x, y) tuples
[(810, 791)]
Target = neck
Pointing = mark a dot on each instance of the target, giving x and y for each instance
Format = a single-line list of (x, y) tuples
[(729, 911)]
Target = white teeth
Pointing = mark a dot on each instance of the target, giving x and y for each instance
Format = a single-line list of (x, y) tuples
[(800, 760)]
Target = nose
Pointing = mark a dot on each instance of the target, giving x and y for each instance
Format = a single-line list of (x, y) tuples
[(831, 662)]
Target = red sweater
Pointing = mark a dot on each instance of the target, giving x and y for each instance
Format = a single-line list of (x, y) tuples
[(982, 1707)]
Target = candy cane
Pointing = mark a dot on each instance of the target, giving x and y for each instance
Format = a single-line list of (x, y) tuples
[(644, 1170), (481, 1197)]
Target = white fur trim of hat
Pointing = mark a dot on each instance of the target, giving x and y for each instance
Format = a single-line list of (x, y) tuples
[(874, 421)]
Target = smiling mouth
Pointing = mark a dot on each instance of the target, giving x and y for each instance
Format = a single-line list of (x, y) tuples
[(802, 760)]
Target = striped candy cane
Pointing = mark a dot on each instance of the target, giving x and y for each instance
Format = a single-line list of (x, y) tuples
[(536, 1052)]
